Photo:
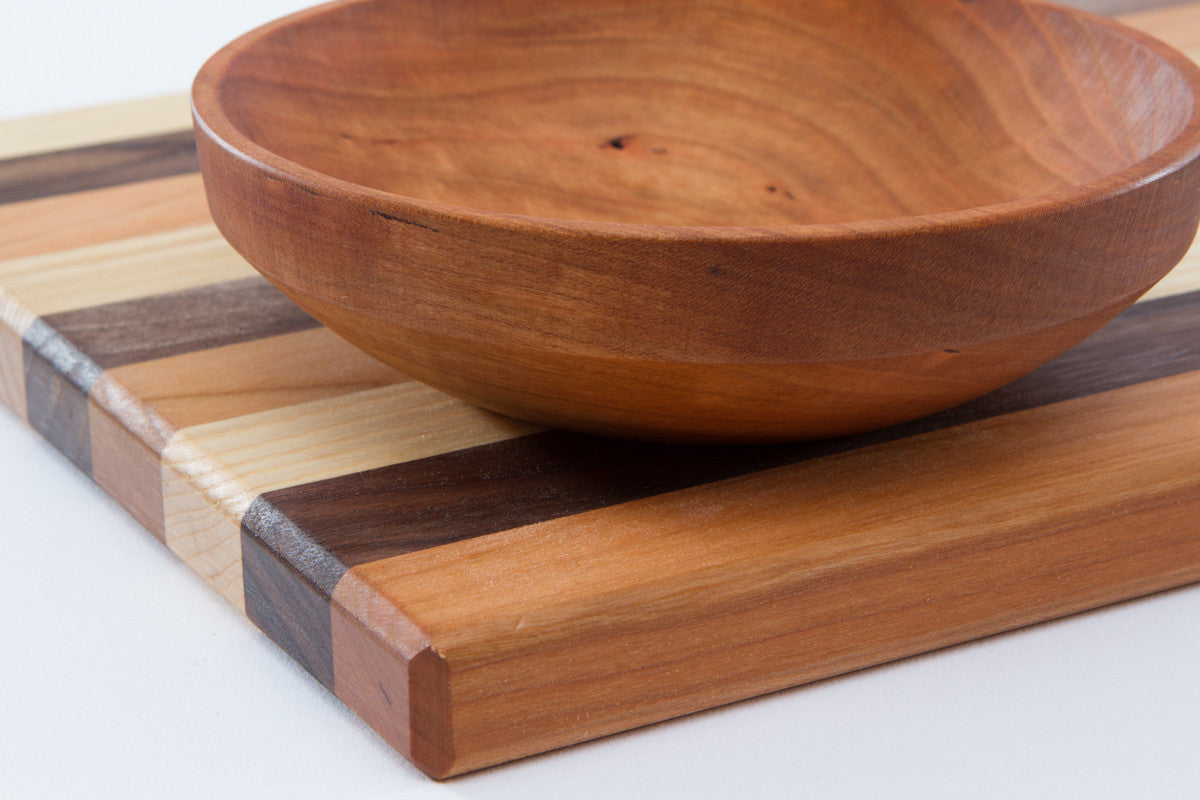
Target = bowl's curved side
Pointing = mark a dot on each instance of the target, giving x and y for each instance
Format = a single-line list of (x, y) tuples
[(709, 334), (735, 338)]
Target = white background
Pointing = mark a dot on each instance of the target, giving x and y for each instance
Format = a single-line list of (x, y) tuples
[(122, 675)]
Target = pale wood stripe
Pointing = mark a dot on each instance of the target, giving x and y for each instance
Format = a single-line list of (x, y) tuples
[(152, 399), (303, 443), (68, 221), (122, 270), (71, 223), (213, 472), (197, 526), (14, 320), (96, 125)]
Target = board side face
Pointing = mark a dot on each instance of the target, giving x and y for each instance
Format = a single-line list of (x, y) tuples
[(598, 586), (809, 602)]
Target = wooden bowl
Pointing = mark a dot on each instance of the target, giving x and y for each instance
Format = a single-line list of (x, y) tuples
[(740, 220)]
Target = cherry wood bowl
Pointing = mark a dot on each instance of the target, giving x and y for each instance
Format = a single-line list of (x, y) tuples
[(739, 220)]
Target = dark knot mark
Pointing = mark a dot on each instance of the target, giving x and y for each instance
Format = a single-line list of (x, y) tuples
[(404, 221), (621, 142), (370, 140)]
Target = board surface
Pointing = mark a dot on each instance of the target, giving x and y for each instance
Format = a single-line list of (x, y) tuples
[(479, 590)]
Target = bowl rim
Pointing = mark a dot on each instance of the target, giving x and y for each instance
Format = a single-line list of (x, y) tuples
[(209, 117)]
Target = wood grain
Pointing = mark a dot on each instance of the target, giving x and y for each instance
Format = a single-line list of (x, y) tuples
[(288, 409), (14, 319), (287, 608), (542, 152), (202, 507), (206, 505), (120, 270), (85, 127), (110, 434), (58, 378), (136, 408), (237, 380), (309, 442), (124, 465), (584, 218), (201, 530), (412, 505), (918, 541), (104, 215), (371, 678), (97, 166), (1184, 278), (183, 321), (479, 589)]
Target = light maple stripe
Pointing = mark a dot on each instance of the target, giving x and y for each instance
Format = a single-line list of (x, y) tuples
[(213, 472), (64, 130), (127, 269)]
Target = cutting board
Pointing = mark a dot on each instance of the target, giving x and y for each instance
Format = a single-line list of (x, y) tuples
[(479, 589)]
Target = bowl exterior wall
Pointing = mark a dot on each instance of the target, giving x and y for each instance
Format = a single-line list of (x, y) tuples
[(678, 335)]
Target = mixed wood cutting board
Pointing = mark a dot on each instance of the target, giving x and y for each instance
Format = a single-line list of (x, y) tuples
[(478, 589)]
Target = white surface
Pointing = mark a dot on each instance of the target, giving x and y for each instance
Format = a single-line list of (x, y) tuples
[(125, 676)]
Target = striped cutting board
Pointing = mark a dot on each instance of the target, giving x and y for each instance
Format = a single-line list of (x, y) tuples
[(478, 589)]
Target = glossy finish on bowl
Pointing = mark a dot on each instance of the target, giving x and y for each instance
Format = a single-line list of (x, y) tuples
[(719, 222)]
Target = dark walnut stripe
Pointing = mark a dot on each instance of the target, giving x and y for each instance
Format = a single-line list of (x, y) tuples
[(180, 322), (324, 527), (65, 353), (97, 166), (288, 582), (287, 608), (58, 378)]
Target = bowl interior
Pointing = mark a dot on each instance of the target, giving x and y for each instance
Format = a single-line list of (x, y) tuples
[(727, 113)]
